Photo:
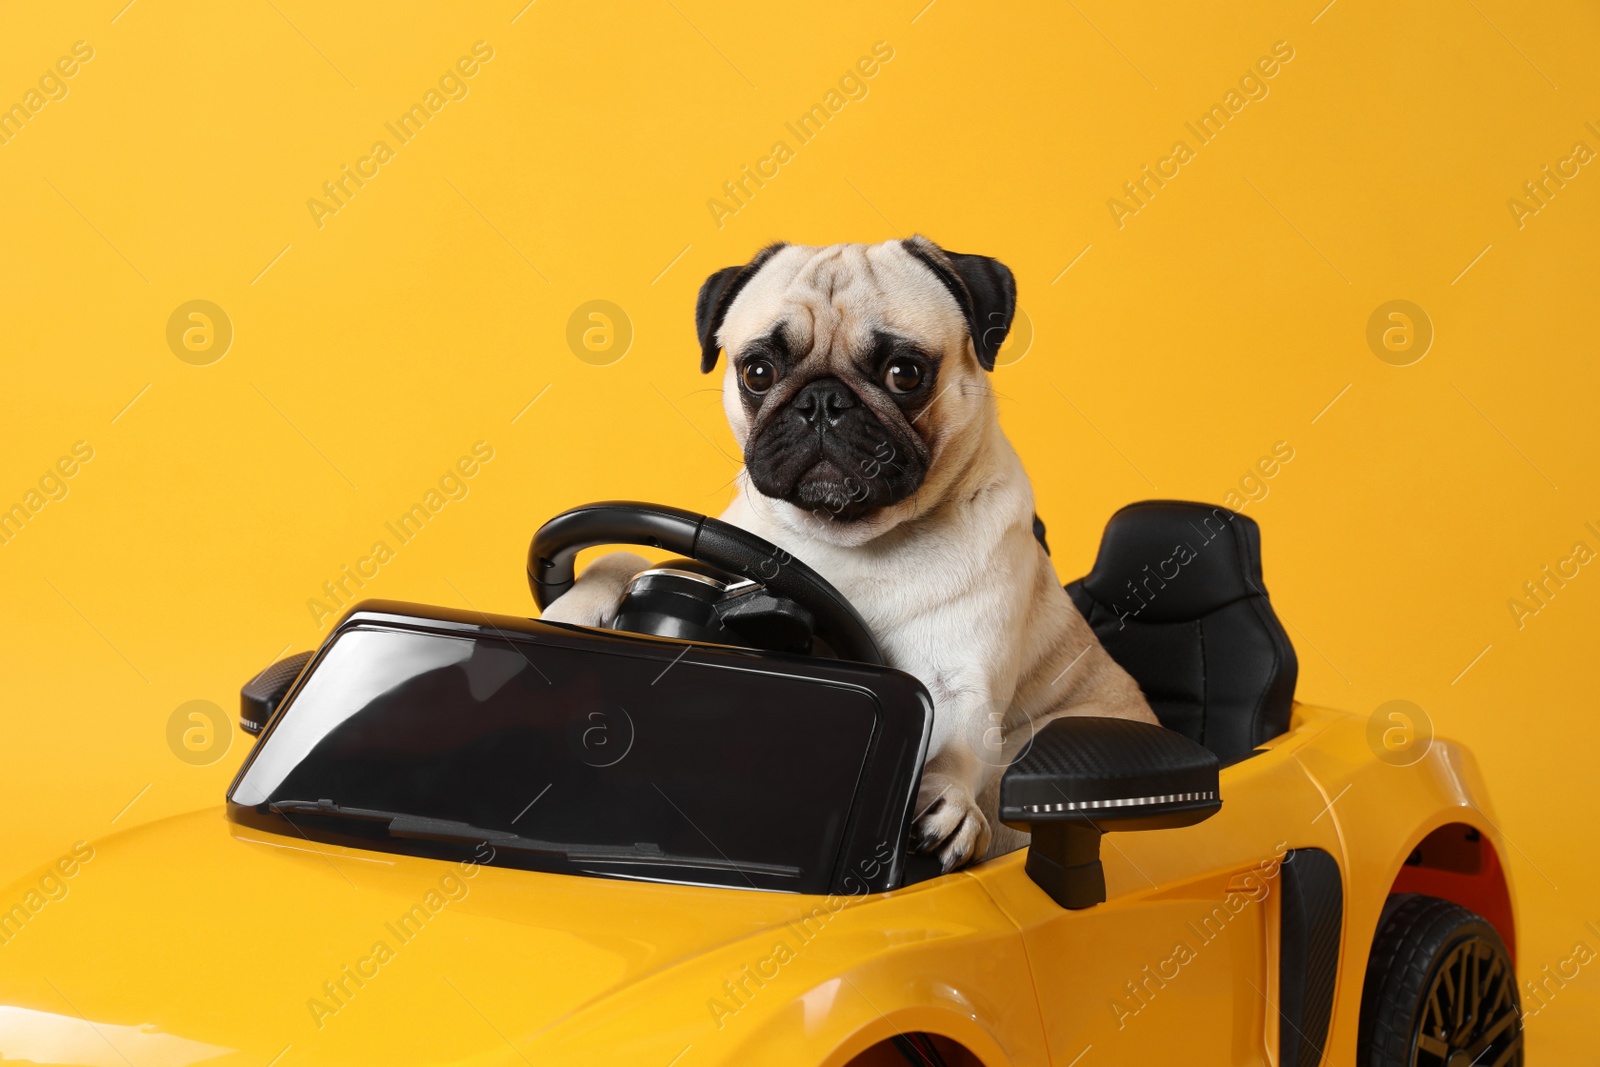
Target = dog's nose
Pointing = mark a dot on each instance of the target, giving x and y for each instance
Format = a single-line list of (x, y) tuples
[(823, 402)]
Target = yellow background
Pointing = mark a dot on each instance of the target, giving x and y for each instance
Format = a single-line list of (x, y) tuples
[(432, 309)]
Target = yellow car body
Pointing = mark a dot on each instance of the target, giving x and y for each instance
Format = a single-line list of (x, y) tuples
[(198, 940)]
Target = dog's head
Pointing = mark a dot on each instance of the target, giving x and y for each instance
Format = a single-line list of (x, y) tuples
[(855, 373)]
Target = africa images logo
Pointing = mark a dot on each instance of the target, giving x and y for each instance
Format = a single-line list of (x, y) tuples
[(52, 86), (852, 85), (341, 189), (342, 590), (1139, 191)]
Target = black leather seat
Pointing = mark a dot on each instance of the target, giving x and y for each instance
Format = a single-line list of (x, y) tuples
[(1176, 597)]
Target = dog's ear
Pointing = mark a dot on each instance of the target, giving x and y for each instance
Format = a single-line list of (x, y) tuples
[(983, 288), (716, 296)]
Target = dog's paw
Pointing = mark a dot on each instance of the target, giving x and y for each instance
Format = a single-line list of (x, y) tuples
[(593, 598), (950, 825)]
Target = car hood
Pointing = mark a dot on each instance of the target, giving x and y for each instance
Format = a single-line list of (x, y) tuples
[(195, 940)]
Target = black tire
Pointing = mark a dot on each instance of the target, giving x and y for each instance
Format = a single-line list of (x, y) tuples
[(1440, 990)]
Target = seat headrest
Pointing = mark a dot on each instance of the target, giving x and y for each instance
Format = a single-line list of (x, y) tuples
[(1175, 561)]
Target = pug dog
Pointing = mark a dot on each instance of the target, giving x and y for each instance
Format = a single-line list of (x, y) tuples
[(856, 386)]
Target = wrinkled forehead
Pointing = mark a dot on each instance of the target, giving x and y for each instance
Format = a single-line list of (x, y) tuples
[(834, 299)]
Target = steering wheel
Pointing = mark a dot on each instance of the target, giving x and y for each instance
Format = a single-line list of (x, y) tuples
[(727, 548)]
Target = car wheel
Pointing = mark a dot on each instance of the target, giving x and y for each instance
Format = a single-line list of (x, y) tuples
[(1440, 990)]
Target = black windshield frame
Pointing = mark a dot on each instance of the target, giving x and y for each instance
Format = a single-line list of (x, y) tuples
[(891, 741)]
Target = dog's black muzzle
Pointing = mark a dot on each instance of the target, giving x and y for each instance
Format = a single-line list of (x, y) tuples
[(825, 451)]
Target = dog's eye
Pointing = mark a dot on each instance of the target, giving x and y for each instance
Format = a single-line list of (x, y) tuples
[(903, 376), (758, 376)]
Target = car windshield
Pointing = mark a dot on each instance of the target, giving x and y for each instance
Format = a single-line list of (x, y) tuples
[(566, 758)]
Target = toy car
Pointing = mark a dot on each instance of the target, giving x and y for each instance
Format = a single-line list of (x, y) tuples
[(479, 839)]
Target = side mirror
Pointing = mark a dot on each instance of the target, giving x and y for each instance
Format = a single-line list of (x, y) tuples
[(1085, 776), (261, 695)]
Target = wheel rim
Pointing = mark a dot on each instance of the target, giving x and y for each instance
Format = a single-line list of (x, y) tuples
[(1470, 1016)]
